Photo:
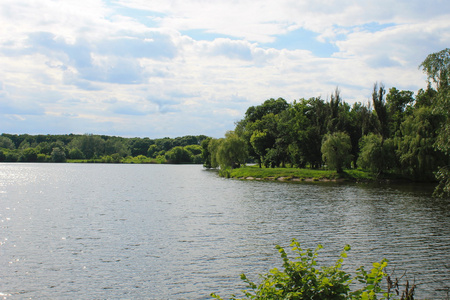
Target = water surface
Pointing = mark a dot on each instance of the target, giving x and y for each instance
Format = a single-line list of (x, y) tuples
[(180, 232)]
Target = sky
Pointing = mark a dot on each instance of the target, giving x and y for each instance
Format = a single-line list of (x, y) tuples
[(170, 68)]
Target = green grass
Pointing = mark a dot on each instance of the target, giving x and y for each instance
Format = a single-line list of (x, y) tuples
[(142, 160), (299, 174), (126, 160)]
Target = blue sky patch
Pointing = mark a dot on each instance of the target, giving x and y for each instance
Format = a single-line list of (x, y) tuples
[(302, 39), (375, 26), (148, 18)]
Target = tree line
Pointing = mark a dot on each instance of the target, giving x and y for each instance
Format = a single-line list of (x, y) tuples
[(397, 132), (99, 148)]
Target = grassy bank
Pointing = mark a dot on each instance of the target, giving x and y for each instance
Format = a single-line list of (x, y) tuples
[(295, 174), (126, 160)]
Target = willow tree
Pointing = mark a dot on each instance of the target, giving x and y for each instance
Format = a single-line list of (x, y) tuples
[(376, 154), (230, 152), (418, 156), (336, 150)]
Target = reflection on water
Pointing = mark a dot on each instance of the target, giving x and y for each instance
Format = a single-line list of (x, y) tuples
[(159, 232)]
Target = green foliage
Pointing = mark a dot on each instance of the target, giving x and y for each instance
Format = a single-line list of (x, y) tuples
[(76, 153), (58, 155), (117, 145), (186, 154), (206, 154), (379, 105), (43, 158), (91, 145), (302, 278), (95, 148), (6, 143), (231, 151), (140, 146), (165, 143), (270, 106), (228, 153), (28, 155), (213, 148), (25, 145), (260, 143), (399, 105), (417, 154), (443, 188), (336, 150), (141, 159), (376, 154), (226, 172), (193, 149), (12, 156), (195, 153), (437, 67), (152, 151), (392, 133), (178, 155), (371, 282), (116, 158)]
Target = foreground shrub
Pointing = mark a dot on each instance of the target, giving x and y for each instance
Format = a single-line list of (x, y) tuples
[(303, 279)]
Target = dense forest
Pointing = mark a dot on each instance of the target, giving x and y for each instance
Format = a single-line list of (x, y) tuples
[(99, 148), (397, 132)]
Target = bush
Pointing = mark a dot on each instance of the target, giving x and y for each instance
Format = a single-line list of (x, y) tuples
[(303, 279)]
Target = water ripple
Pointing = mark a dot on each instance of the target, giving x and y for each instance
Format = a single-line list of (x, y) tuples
[(163, 232)]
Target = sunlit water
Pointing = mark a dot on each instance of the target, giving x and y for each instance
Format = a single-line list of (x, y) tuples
[(93, 231)]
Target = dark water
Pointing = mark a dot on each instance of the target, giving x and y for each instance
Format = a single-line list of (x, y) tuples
[(71, 231)]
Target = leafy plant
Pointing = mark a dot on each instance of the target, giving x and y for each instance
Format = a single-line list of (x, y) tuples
[(371, 282), (302, 278)]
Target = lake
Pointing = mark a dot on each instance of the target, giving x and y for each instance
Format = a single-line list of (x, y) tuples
[(114, 231)]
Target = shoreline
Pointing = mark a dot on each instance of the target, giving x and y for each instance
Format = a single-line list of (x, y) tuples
[(253, 173), (292, 179)]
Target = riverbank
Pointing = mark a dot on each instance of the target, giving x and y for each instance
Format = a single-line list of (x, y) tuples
[(307, 175), (126, 160)]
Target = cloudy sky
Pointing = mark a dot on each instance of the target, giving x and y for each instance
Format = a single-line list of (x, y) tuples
[(157, 68)]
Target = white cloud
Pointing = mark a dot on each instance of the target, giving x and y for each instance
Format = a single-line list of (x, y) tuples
[(96, 66)]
